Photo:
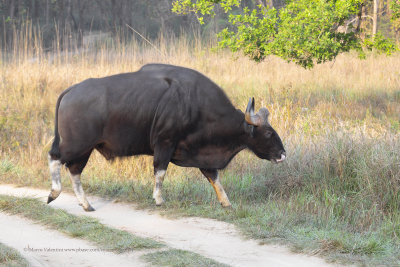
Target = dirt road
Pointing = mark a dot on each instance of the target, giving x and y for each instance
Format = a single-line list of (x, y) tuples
[(213, 239), (41, 246)]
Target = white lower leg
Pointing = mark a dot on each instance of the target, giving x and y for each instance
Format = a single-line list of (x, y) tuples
[(55, 172), (222, 197), (80, 194), (157, 194)]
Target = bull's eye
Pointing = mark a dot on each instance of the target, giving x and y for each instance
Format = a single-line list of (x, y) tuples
[(268, 134)]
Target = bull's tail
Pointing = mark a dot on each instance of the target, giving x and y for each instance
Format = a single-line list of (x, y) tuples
[(55, 147)]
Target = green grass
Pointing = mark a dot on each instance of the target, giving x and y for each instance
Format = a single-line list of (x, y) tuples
[(179, 258), (9, 257), (337, 195), (341, 202), (76, 226), (339, 198)]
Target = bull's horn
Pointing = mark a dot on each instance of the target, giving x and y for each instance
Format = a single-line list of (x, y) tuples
[(250, 117)]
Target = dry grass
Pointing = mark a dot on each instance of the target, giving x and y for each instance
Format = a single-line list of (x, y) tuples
[(340, 123), (347, 95)]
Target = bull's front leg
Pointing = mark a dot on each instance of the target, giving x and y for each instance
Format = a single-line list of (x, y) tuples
[(162, 156), (212, 176)]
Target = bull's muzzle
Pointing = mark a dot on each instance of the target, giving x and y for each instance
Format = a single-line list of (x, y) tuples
[(283, 157)]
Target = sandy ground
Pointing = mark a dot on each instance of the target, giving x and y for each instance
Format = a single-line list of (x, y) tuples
[(45, 247), (213, 239)]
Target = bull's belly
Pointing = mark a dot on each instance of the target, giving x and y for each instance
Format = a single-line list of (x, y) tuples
[(195, 163), (111, 151), (199, 163), (205, 158)]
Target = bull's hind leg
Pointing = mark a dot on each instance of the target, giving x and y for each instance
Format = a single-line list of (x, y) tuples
[(76, 168), (80, 194), (55, 172), (212, 176), (157, 191), (162, 156)]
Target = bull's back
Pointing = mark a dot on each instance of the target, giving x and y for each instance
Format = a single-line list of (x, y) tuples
[(112, 114), (207, 94)]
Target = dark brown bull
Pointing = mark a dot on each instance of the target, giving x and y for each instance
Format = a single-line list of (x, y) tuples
[(173, 113)]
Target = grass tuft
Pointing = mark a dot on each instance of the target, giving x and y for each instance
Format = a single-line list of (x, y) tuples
[(9, 257), (180, 258)]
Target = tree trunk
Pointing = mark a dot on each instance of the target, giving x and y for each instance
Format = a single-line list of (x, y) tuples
[(47, 11), (81, 9), (68, 16), (12, 9), (359, 18), (375, 18), (114, 14), (35, 11)]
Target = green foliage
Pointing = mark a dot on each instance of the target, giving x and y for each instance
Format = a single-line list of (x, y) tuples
[(254, 32), (307, 31), (381, 44), (395, 7), (203, 7), (395, 18), (304, 31)]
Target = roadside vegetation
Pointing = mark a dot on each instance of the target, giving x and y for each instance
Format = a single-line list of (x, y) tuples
[(90, 229), (9, 257), (76, 226), (180, 258), (338, 193)]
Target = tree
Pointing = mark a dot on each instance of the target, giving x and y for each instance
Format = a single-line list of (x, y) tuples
[(395, 16), (303, 31), (375, 18)]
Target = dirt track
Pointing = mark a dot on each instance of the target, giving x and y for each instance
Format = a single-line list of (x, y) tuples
[(41, 246), (210, 238)]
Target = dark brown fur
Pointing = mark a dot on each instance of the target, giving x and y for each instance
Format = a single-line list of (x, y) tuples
[(174, 113)]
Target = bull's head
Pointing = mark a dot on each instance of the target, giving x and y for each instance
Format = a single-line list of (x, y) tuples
[(263, 139)]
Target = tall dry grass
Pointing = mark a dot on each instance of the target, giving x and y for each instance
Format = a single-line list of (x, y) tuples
[(340, 123)]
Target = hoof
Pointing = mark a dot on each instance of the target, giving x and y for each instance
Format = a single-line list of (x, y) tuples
[(50, 199), (159, 202), (226, 205), (90, 208)]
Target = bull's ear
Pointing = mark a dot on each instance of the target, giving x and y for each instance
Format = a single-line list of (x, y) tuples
[(264, 114), (250, 117), (249, 129)]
